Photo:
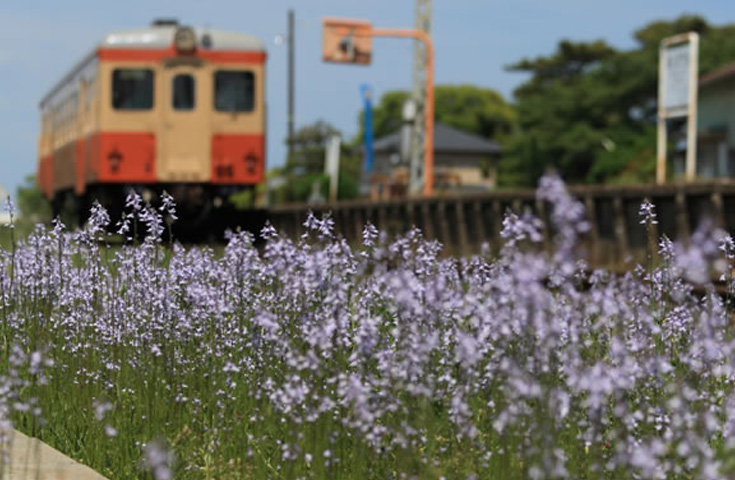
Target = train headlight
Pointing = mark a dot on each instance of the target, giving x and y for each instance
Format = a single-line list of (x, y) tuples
[(185, 39)]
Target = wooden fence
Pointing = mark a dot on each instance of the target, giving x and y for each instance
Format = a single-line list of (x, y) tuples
[(463, 223)]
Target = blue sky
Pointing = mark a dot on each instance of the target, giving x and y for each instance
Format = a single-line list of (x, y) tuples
[(474, 40)]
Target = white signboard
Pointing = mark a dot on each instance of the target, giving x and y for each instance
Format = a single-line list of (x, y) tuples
[(677, 97), (677, 74), (331, 165)]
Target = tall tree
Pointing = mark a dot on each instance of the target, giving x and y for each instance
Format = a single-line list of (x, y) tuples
[(562, 113)]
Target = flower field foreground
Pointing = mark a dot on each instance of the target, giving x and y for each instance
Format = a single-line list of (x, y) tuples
[(312, 359)]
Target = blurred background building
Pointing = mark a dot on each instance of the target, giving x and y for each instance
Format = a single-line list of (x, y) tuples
[(716, 125), (463, 162)]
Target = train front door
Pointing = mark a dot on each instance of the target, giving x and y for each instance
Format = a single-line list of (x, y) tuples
[(184, 154)]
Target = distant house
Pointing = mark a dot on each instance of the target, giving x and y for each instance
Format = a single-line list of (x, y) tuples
[(715, 125), (462, 162)]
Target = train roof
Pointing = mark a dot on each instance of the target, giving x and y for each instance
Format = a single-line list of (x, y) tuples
[(161, 36)]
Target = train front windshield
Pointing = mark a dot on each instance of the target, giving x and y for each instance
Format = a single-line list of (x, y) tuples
[(234, 91), (132, 89)]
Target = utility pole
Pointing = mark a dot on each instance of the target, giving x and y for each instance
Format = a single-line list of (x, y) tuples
[(290, 118), (418, 132)]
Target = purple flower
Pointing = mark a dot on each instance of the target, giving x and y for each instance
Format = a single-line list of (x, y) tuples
[(168, 206), (268, 232), (153, 223), (369, 235), (647, 213), (323, 227), (516, 229), (567, 215), (158, 460), (99, 219)]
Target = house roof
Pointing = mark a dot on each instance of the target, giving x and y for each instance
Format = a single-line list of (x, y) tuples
[(446, 139), (715, 76)]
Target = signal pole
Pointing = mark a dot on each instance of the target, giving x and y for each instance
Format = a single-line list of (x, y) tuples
[(350, 41), (418, 132)]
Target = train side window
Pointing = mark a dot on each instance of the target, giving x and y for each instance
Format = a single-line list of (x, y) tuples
[(234, 91), (74, 105), (91, 91), (183, 92), (132, 89)]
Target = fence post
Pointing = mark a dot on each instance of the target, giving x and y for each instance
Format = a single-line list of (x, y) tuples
[(621, 230)]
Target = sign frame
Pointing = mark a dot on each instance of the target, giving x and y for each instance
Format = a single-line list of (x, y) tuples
[(685, 90)]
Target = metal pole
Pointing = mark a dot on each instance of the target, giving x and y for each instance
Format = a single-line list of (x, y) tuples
[(661, 122), (429, 106), (290, 117), (420, 66), (368, 106), (429, 130)]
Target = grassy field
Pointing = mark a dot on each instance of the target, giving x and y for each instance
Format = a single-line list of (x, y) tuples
[(312, 359)]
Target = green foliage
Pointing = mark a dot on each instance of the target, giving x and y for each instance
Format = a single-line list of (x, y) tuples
[(32, 205), (588, 110), (243, 200), (306, 166), (631, 159), (476, 110), (301, 186), (309, 144), (473, 109), (651, 35), (33, 208), (348, 186), (571, 60)]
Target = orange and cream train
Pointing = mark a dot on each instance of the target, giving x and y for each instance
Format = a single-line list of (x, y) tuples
[(169, 108)]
